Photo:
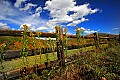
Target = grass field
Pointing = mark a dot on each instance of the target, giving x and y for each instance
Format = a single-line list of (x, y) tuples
[(17, 63), (95, 66)]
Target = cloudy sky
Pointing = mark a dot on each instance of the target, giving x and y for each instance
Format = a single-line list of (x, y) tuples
[(90, 15)]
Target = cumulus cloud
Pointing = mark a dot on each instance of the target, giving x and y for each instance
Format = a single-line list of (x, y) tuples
[(51, 23), (75, 22), (12, 15), (4, 26), (37, 12), (116, 28), (33, 21), (12, 28), (38, 9), (88, 31), (28, 6), (42, 28), (6, 9), (9, 13), (60, 12), (18, 3), (83, 28), (59, 8), (33, 28)]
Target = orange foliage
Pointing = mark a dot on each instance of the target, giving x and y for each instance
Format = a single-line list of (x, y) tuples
[(30, 46), (11, 47), (69, 43)]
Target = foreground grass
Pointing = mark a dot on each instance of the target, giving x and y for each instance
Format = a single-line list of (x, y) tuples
[(17, 63), (92, 66)]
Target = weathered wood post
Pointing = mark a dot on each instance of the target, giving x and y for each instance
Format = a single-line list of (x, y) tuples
[(119, 38), (108, 39), (60, 46), (96, 40)]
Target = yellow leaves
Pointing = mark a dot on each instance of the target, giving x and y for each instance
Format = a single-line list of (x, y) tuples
[(3, 45), (76, 27), (38, 32), (25, 27), (79, 29), (64, 37), (57, 27), (43, 46), (32, 34)]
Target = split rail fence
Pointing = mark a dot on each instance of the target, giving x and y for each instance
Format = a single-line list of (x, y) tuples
[(59, 44)]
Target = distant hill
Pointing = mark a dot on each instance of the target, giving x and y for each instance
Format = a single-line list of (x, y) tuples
[(105, 35)]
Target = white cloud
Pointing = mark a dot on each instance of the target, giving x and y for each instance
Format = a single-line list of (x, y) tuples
[(42, 28), (116, 28), (82, 28), (4, 26), (82, 11), (18, 3), (75, 22), (6, 9), (22, 5), (37, 12), (35, 21), (59, 12), (51, 23), (89, 31), (9, 13), (12, 15), (38, 9), (32, 28), (12, 28), (59, 9), (28, 6)]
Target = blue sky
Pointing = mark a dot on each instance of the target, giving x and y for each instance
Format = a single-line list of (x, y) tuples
[(90, 15)]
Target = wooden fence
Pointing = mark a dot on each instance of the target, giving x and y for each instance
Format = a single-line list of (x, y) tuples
[(60, 49)]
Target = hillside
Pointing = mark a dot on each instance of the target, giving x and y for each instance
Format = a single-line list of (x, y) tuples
[(105, 35)]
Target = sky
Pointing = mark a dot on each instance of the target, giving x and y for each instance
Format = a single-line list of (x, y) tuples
[(91, 15)]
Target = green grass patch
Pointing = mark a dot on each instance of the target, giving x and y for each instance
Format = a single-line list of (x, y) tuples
[(17, 63)]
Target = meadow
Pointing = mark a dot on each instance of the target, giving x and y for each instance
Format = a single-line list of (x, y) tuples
[(95, 57)]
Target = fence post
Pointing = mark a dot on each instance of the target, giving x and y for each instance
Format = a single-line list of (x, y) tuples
[(119, 37), (96, 40), (109, 45), (60, 46)]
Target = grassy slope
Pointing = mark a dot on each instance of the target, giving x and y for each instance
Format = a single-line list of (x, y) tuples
[(16, 64), (95, 66)]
